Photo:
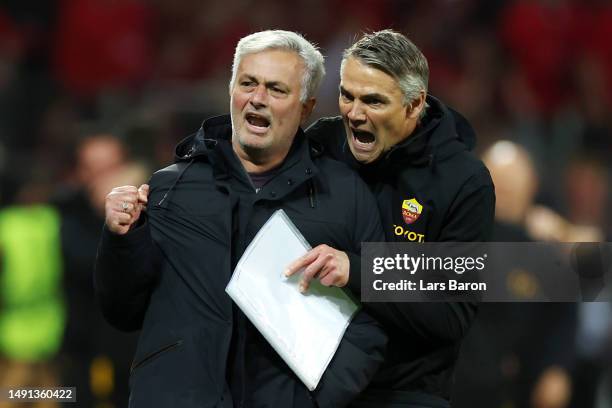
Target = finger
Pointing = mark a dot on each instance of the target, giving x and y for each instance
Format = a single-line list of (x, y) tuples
[(311, 271), (121, 197), (329, 277), (125, 207), (143, 193), (131, 189), (121, 229), (118, 224), (121, 218), (301, 262), (336, 271), (316, 267)]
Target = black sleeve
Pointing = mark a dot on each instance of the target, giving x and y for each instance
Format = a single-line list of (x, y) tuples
[(329, 135), (126, 270), (471, 216), (368, 228), (357, 359), (362, 348), (470, 219), (435, 322)]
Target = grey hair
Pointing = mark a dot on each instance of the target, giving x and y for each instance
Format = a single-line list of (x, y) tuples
[(394, 54), (284, 40)]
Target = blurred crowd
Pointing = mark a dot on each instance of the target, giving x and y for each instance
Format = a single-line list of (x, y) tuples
[(95, 93)]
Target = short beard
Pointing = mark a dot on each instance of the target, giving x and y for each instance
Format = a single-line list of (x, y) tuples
[(257, 155)]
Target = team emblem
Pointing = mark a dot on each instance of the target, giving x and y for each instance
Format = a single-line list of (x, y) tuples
[(411, 210)]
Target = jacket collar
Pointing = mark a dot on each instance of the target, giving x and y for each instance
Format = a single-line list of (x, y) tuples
[(435, 137), (212, 143)]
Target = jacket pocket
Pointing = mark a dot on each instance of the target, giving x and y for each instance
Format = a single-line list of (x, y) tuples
[(152, 356)]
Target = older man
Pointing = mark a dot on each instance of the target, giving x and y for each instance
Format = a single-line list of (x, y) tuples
[(166, 272), (413, 152)]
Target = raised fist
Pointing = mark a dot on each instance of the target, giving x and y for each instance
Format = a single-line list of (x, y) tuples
[(123, 206)]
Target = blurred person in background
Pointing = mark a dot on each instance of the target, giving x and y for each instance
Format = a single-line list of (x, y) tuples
[(94, 357), (587, 186), (414, 154), (587, 190), (516, 354), (32, 311)]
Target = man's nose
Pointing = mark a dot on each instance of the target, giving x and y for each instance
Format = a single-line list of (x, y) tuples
[(259, 98), (357, 112)]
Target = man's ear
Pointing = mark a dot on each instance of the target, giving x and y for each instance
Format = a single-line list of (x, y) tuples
[(414, 109), (307, 108)]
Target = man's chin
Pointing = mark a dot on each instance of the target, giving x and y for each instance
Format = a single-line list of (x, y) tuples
[(254, 148), (363, 156)]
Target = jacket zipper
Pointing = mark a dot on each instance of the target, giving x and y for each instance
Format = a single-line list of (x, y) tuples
[(154, 354), (311, 194)]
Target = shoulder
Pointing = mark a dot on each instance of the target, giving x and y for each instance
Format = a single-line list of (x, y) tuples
[(451, 181), (468, 171), (333, 168), (165, 175), (183, 173), (169, 173), (326, 129), (340, 178)]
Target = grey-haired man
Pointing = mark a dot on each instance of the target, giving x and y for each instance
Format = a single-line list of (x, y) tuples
[(166, 272)]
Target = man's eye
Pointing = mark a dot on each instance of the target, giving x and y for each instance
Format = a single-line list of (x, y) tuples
[(278, 90), (345, 97), (246, 83)]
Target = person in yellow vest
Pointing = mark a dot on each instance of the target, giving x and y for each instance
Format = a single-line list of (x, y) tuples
[(32, 315)]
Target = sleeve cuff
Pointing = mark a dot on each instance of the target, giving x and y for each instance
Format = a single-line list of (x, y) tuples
[(133, 236), (354, 282)]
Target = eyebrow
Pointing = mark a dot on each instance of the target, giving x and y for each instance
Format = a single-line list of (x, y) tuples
[(344, 91), (268, 83), (366, 97)]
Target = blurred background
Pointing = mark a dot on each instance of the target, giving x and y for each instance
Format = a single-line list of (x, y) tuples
[(95, 93)]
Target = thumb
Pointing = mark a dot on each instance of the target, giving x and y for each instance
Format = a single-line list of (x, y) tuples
[(143, 193)]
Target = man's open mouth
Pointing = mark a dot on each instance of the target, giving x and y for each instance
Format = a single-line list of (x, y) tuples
[(363, 136), (257, 120)]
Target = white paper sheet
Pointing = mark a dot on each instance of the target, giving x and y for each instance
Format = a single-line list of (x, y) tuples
[(304, 329)]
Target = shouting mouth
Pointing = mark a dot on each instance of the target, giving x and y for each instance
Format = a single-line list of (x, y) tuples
[(363, 140), (257, 123)]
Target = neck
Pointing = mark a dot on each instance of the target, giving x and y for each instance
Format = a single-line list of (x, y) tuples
[(257, 163)]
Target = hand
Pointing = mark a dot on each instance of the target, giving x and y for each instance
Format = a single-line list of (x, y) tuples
[(325, 263), (123, 206)]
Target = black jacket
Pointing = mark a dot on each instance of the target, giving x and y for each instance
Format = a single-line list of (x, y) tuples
[(434, 166), (168, 277)]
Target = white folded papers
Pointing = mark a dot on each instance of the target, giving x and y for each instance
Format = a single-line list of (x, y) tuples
[(304, 329)]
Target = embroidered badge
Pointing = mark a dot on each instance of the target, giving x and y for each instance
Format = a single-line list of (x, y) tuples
[(411, 210)]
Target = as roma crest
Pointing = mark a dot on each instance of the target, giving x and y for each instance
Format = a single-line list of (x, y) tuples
[(411, 210)]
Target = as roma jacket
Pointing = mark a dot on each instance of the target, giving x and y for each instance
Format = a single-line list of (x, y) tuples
[(430, 187)]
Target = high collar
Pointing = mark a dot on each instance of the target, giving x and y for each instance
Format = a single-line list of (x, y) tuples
[(212, 142), (219, 129)]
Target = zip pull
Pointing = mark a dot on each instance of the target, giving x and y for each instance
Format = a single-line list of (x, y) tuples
[(175, 183), (311, 194)]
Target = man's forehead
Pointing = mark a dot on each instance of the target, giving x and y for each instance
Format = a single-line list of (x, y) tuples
[(272, 63), (356, 76)]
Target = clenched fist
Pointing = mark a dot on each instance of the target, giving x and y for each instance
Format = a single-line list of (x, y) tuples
[(123, 206)]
